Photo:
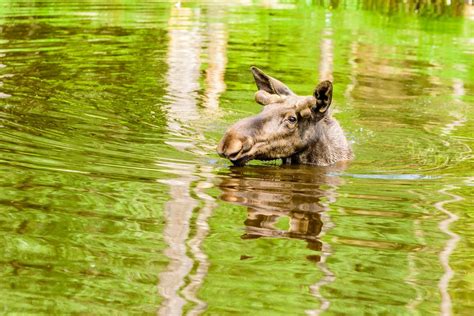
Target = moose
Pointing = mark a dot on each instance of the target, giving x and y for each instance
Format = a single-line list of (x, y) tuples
[(296, 129)]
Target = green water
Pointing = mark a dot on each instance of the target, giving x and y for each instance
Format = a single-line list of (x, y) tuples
[(113, 199)]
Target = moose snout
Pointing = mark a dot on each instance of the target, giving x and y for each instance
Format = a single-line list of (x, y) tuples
[(233, 146)]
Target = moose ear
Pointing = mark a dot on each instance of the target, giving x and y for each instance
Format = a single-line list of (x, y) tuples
[(323, 95), (271, 85)]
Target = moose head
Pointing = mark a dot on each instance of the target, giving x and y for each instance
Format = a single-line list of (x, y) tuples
[(296, 129)]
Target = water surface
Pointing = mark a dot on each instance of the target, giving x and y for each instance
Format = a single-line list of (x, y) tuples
[(113, 200)]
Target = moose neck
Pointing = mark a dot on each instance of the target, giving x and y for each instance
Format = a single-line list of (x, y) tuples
[(327, 145)]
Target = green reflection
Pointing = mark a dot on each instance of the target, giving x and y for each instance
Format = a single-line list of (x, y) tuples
[(112, 199)]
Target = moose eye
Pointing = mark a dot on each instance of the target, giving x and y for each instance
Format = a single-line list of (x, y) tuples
[(292, 119)]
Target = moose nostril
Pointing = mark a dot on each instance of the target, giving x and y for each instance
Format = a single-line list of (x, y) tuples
[(247, 145), (233, 148)]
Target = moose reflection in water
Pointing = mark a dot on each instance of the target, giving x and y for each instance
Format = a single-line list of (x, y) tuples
[(300, 193), (296, 129)]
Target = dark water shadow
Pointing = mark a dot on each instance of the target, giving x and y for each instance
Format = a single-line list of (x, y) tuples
[(302, 194), (288, 202)]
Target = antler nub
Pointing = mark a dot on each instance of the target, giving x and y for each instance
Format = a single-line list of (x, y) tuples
[(263, 97)]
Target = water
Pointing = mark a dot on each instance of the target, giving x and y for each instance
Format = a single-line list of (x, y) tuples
[(114, 201)]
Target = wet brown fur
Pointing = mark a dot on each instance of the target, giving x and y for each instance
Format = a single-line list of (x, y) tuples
[(315, 137)]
